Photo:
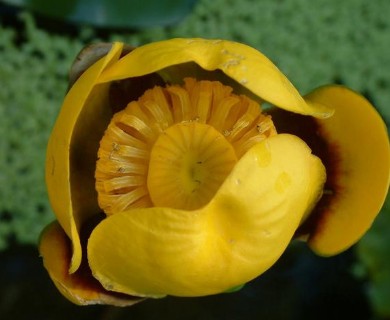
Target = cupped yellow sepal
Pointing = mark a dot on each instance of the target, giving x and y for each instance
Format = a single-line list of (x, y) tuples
[(238, 235), (80, 288), (245, 65), (360, 141), (72, 148), (176, 144)]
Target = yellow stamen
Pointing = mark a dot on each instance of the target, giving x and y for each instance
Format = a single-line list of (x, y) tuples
[(176, 145)]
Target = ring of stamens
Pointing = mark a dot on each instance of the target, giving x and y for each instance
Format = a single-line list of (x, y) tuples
[(175, 146)]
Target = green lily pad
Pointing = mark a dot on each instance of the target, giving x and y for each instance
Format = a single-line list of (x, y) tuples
[(374, 252), (111, 14)]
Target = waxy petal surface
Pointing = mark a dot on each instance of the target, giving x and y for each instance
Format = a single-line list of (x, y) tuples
[(247, 66), (360, 140), (233, 239), (72, 150)]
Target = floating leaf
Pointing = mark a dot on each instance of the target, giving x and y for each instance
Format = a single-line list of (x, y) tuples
[(116, 14)]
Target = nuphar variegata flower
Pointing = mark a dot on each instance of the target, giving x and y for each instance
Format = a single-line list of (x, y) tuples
[(168, 178)]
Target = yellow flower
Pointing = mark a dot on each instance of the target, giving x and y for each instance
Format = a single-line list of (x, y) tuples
[(167, 178)]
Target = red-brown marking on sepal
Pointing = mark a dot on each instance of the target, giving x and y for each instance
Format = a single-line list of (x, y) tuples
[(80, 287), (309, 130)]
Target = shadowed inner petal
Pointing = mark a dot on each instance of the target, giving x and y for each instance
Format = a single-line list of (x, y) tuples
[(175, 146)]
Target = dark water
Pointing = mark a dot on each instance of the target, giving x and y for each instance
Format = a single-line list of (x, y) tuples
[(299, 286)]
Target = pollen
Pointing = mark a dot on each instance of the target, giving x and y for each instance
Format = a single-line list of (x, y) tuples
[(175, 146)]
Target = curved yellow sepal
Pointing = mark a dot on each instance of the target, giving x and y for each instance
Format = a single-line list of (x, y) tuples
[(233, 239), (247, 66), (361, 142), (80, 288), (71, 149)]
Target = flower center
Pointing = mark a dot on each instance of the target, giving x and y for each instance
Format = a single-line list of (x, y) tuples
[(188, 164), (175, 146)]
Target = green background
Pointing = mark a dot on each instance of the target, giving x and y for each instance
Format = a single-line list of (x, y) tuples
[(314, 42)]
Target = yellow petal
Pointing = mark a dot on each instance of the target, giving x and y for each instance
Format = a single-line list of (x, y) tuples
[(72, 149), (359, 138), (233, 239), (80, 288), (247, 66), (88, 56)]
